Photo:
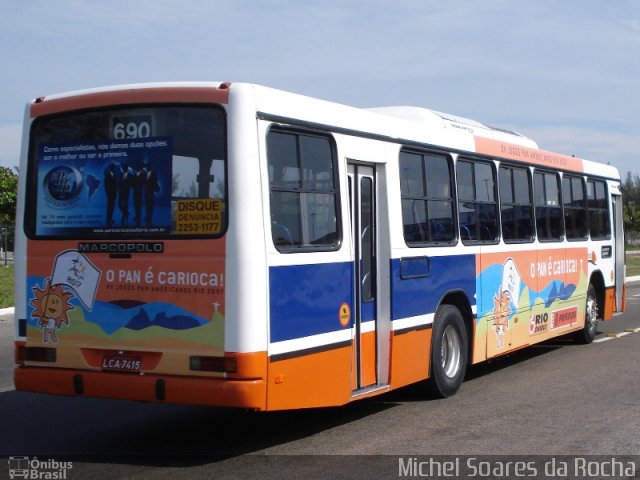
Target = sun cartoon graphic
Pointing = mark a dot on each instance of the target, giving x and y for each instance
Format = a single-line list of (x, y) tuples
[(51, 305)]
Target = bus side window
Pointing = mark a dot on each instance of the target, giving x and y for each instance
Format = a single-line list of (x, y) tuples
[(549, 220), (426, 185), (599, 225), (516, 207), (477, 206), (575, 208), (303, 194)]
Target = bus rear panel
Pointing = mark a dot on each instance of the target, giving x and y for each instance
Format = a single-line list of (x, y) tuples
[(125, 221)]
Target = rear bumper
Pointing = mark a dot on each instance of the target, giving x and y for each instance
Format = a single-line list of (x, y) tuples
[(147, 388)]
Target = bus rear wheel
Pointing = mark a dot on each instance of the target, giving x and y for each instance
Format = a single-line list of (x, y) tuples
[(449, 347), (588, 332)]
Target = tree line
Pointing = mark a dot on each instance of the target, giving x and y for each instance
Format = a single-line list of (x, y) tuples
[(631, 202), (8, 201), (8, 196)]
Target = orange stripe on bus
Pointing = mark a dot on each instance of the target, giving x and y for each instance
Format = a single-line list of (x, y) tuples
[(609, 303), (410, 357), (496, 148), (131, 96), (368, 358), (313, 380)]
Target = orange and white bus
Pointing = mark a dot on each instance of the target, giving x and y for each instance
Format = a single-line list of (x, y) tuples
[(232, 244)]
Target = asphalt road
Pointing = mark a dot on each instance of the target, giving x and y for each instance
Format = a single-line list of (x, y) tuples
[(552, 400)]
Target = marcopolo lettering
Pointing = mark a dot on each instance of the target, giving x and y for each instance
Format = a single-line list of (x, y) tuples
[(121, 247)]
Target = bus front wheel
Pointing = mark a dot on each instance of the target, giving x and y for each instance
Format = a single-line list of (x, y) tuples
[(448, 352)]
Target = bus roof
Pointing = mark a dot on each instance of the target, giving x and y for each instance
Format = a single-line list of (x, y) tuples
[(421, 125), (420, 114)]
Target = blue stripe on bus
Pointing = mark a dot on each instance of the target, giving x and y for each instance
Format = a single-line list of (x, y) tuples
[(419, 294), (305, 299)]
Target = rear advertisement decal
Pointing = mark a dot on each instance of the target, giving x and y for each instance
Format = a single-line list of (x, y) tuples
[(172, 303), (111, 186)]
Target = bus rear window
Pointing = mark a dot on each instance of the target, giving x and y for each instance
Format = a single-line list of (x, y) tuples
[(149, 171)]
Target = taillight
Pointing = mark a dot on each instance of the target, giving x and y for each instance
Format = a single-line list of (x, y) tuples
[(213, 364), (35, 354)]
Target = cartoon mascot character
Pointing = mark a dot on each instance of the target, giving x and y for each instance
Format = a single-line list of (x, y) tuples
[(501, 312), (50, 307)]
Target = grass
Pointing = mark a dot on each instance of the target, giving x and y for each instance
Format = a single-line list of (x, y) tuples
[(633, 265), (6, 285)]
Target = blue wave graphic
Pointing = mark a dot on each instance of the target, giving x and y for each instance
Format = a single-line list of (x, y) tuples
[(491, 278), (111, 317), (558, 291)]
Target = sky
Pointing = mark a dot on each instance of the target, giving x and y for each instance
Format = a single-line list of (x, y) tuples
[(564, 72)]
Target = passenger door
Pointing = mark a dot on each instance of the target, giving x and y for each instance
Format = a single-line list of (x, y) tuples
[(362, 188)]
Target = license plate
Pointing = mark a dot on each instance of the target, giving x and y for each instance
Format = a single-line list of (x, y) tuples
[(121, 363)]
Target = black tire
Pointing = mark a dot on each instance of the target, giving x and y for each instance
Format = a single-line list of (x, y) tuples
[(588, 332), (449, 347)]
